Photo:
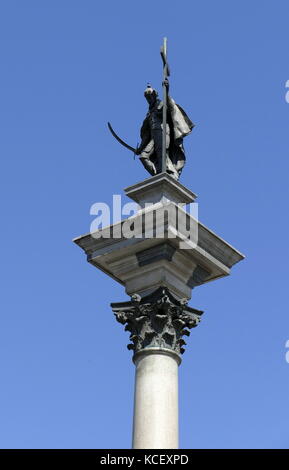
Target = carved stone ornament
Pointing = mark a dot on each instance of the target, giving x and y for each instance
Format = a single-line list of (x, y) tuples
[(158, 320)]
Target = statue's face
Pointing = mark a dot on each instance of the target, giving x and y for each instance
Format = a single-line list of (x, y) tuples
[(151, 98)]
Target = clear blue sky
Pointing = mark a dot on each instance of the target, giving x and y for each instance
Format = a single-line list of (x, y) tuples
[(67, 67)]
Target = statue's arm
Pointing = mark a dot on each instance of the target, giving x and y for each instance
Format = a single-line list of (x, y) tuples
[(145, 137), (143, 144), (170, 100)]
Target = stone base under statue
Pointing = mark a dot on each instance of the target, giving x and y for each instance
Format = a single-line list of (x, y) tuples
[(160, 252)]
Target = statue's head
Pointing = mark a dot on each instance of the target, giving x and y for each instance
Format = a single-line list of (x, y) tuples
[(150, 94)]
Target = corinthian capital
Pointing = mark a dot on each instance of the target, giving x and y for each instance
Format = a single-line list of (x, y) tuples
[(158, 320)]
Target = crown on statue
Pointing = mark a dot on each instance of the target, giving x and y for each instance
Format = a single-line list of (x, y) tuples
[(150, 90)]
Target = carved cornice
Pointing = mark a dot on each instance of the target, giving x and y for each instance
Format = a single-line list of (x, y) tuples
[(158, 320)]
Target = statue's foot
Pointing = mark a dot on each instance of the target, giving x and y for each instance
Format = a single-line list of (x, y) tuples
[(173, 174)]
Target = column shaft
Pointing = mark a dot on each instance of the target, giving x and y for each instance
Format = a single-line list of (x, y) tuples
[(156, 400)]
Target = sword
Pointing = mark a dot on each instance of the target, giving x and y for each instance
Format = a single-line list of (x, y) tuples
[(120, 140)]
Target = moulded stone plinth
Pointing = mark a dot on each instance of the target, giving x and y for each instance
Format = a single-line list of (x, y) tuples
[(160, 252), (160, 188)]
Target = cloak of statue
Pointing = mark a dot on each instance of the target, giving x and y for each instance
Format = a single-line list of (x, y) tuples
[(180, 126)]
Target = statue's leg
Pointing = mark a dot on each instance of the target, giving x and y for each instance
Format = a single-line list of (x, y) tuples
[(145, 158), (171, 168), (149, 166), (158, 147), (158, 144)]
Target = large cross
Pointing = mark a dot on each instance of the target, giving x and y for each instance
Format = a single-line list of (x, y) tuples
[(166, 74)]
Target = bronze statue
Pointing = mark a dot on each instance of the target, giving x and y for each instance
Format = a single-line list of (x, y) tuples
[(163, 130), (178, 125)]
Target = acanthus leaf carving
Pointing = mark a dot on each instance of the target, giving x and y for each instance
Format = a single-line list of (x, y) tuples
[(158, 320)]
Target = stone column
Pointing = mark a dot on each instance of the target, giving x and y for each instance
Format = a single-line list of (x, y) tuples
[(155, 422), (157, 324), (158, 271)]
